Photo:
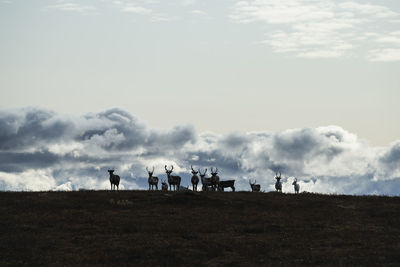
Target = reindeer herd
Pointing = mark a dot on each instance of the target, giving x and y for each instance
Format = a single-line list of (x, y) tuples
[(212, 183)]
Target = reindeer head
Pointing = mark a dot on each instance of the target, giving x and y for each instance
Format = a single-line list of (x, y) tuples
[(278, 178), (204, 174), (111, 171), (193, 171), (214, 173), (169, 171), (295, 181), (150, 172), (252, 184)]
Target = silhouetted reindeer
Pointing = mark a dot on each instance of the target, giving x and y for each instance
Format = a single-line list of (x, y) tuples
[(214, 179), (206, 182), (114, 179), (278, 184), (153, 180), (225, 184), (195, 179), (254, 187), (164, 186), (296, 186), (173, 180)]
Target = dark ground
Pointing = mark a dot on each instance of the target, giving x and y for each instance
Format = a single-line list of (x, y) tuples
[(212, 229)]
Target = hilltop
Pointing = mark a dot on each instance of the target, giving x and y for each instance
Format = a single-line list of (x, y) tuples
[(172, 229)]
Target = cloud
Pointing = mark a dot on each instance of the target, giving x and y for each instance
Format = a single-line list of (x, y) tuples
[(132, 8), (145, 8), (369, 9), (198, 12), (322, 29), (72, 7), (189, 2), (44, 150)]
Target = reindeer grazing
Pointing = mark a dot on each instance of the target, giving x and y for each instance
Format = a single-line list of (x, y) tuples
[(114, 179), (153, 180), (214, 179), (205, 181), (278, 184), (254, 187), (173, 180), (296, 186), (164, 186), (195, 179)]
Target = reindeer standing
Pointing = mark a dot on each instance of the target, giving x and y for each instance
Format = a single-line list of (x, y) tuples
[(173, 180), (254, 187), (214, 179), (205, 181), (278, 184), (227, 183), (195, 179), (114, 179), (164, 186), (296, 186), (153, 180)]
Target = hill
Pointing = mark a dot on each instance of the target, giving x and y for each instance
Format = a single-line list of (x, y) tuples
[(172, 229)]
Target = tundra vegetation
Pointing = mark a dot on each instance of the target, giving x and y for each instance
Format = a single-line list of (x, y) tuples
[(154, 228)]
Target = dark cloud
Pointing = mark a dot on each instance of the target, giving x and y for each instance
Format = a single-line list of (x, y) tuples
[(392, 156), (28, 128), (20, 161)]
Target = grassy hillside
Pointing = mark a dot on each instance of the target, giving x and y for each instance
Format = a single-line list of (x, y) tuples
[(154, 228)]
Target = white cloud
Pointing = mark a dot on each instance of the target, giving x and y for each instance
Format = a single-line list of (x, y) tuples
[(188, 2), (321, 29), (74, 7), (28, 180), (198, 12), (369, 9), (385, 55), (132, 8)]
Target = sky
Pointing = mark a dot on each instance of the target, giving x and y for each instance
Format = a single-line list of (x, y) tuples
[(306, 87)]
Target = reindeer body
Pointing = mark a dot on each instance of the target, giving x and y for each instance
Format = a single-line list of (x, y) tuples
[(214, 179), (255, 187), (164, 186), (206, 182), (278, 184), (152, 180), (114, 180), (296, 186), (195, 179), (173, 180), (224, 184)]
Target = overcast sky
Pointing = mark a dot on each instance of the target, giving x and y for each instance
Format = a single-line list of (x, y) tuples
[(210, 72)]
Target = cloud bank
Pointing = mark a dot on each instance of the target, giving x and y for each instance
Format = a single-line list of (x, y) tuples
[(44, 150), (324, 28)]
